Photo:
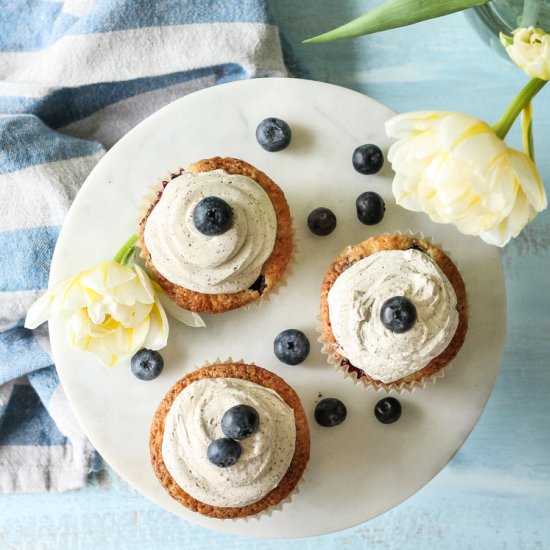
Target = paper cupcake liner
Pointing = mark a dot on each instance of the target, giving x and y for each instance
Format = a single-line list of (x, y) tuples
[(267, 512), (151, 197), (152, 194), (337, 360)]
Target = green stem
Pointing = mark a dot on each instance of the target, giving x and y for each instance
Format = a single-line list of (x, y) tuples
[(530, 143), (531, 89), (124, 255), (529, 18)]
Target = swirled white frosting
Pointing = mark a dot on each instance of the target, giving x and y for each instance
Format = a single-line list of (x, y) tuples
[(225, 263), (193, 422), (355, 300)]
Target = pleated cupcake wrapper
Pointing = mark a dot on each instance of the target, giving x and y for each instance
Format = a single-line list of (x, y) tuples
[(275, 507), (152, 195), (335, 358)]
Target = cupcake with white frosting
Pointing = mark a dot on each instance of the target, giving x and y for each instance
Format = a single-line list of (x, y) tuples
[(222, 463), (217, 236), (393, 311)]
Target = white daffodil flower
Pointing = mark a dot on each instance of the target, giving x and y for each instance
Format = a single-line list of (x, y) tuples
[(455, 168), (112, 310), (529, 48)]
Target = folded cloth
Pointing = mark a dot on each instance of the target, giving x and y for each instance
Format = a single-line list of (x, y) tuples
[(75, 76)]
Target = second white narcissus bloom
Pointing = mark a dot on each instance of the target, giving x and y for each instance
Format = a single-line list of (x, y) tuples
[(456, 169), (112, 310), (529, 48)]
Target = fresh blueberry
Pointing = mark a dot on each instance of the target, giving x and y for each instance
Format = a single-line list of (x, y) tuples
[(330, 412), (224, 452), (388, 410), (273, 134), (370, 208), (398, 314), (291, 346), (368, 159), (212, 216), (146, 364), (321, 221), (240, 422)]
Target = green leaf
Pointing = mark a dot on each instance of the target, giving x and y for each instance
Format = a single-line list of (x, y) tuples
[(393, 14), (124, 255)]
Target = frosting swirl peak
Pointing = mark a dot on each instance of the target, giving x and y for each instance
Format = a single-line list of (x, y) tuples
[(225, 263), (357, 296), (193, 422)]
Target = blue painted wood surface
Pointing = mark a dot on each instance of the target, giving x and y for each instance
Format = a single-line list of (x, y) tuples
[(496, 491)]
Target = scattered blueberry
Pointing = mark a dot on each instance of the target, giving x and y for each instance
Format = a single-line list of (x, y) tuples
[(330, 412), (224, 452), (291, 346), (240, 422), (321, 221), (146, 364), (212, 216), (398, 314), (370, 208), (273, 134), (388, 410), (368, 159)]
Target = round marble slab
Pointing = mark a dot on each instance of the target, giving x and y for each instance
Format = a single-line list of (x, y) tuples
[(361, 468)]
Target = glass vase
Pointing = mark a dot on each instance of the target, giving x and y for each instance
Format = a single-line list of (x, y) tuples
[(506, 15)]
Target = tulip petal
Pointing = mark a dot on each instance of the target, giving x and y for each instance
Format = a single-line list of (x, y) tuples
[(189, 318), (158, 331), (456, 169), (39, 312), (529, 179)]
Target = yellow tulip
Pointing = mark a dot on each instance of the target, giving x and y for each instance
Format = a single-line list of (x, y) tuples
[(112, 311), (455, 168), (529, 48)]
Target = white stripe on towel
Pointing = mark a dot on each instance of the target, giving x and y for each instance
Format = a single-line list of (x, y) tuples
[(146, 52)]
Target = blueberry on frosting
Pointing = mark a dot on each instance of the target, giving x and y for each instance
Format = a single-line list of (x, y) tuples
[(224, 452), (240, 422), (212, 216), (398, 314)]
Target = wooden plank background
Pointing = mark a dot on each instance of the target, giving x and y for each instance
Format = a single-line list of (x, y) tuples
[(496, 491)]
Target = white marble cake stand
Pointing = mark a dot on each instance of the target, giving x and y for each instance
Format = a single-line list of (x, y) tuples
[(361, 468)]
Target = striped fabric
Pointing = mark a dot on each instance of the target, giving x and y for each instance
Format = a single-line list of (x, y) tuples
[(75, 76)]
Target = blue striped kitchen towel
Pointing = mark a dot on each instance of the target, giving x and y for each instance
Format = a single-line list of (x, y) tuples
[(76, 75)]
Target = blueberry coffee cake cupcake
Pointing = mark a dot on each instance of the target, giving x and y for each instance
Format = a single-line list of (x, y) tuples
[(218, 235), (393, 311), (230, 440)]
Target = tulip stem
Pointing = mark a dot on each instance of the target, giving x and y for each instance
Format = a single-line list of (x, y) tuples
[(530, 90), (124, 255)]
